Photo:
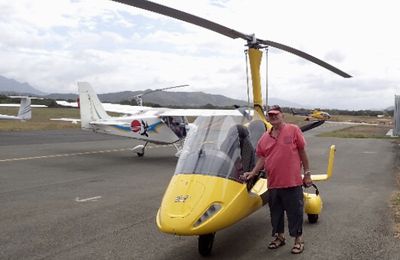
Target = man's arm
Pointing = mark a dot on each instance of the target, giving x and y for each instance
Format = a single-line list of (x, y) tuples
[(306, 167), (257, 168)]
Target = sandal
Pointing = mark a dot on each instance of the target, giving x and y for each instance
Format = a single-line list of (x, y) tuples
[(277, 242), (298, 248)]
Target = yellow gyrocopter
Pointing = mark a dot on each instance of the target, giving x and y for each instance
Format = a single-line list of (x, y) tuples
[(315, 114), (206, 194)]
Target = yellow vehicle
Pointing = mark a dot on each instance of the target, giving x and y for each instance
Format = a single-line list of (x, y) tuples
[(205, 194), (319, 115), (315, 114)]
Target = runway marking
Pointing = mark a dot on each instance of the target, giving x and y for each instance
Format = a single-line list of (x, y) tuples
[(87, 199), (75, 154), (369, 152)]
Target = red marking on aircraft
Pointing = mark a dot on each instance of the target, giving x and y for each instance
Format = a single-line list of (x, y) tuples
[(136, 126)]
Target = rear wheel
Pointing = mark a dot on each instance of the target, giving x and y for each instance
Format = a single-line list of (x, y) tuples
[(312, 218), (140, 154), (205, 244)]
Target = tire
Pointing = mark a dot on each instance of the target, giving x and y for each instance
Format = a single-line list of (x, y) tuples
[(140, 154), (312, 218), (205, 244)]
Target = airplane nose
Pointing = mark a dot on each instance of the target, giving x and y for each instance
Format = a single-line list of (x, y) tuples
[(185, 197)]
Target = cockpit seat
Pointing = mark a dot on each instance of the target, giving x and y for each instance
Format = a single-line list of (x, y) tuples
[(247, 151)]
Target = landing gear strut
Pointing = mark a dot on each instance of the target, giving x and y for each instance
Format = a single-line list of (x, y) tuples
[(205, 244), (141, 149)]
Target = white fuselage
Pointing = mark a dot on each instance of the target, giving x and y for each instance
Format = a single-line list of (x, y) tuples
[(149, 129)]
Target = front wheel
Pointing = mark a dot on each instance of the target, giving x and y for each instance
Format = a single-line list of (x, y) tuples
[(205, 244), (312, 218)]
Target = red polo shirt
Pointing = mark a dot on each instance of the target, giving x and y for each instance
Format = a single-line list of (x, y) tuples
[(282, 159)]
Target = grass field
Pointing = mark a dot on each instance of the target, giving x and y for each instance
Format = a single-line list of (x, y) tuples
[(396, 212), (356, 131), (360, 131), (395, 202), (40, 119)]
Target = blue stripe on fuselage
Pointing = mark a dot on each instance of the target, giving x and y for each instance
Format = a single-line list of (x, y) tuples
[(150, 128)]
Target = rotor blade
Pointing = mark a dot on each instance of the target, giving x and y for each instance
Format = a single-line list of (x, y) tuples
[(180, 15), (305, 56), (171, 12), (161, 89)]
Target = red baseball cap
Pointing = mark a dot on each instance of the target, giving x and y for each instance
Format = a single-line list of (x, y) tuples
[(275, 109)]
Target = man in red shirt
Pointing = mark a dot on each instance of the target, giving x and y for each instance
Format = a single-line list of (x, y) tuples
[(281, 153)]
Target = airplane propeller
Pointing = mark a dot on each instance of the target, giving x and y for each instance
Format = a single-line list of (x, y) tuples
[(252, 41)]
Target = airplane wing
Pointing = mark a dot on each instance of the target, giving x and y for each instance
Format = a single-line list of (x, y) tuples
[(72, 120), (111, 122), (66, 103), (200, 112), (109, 107), (134, 110), (125, 109)]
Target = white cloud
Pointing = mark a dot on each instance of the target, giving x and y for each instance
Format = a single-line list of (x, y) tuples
[(54, 44)]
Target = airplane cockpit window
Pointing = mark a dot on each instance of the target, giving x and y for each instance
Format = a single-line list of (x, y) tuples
[(256, 130), (177, 124), (215, 146)]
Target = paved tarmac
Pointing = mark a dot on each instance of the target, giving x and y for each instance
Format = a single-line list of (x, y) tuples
[(71, 194)]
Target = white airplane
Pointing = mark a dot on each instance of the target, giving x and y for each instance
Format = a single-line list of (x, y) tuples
[(24, 112), (151, 125)]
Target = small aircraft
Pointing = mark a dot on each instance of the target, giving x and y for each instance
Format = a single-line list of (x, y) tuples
[(206, 194), (151, 125), (315, 114), (25, 109)]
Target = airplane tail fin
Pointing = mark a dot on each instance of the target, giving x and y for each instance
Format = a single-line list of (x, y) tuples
[(91, 108), (25, 110)]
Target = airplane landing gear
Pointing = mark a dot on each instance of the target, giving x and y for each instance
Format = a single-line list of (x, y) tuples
[(312, 218), (205, 244), (178, 146), (141, 149), (312, 205)]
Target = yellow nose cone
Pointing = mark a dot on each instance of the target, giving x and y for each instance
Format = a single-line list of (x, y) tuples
[(184, 197), (196, 204)]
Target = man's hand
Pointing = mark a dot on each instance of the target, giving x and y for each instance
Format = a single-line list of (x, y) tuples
[(247, 176), (307, 181)]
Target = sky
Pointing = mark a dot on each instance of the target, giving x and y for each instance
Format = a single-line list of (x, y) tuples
[(54, 44)]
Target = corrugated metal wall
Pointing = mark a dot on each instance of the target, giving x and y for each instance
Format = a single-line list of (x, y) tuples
[(396, 116)]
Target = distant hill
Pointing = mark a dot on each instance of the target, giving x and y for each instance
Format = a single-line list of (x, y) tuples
[(162, 98), (11, 86), (184, 99)]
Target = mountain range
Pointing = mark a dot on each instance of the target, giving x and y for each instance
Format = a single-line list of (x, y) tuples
[(11, 86), (183, 99)]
